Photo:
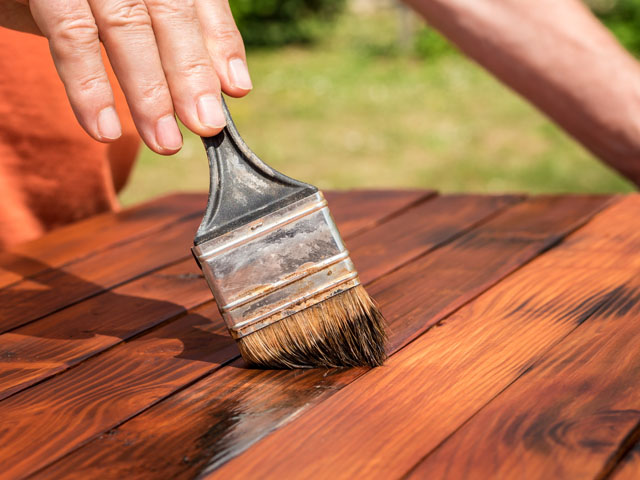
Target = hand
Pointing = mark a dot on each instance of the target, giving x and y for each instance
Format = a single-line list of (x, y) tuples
[(168, 55)]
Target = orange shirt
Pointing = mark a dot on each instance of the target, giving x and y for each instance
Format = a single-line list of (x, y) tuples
[(51, 171)]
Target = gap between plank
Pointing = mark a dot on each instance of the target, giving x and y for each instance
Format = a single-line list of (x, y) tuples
[(456, 236), (101, 292), (615, 460)]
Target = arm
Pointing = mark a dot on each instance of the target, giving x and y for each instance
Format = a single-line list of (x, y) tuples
[(557, 55)]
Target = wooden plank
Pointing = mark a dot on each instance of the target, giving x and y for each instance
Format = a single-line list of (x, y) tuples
[(54, 289), (51, 418), (45, 348), (58, 341), (219, 417), (571, 412), (36, 445), (386, 203), (470, 265), (385, 421), (444, 218), (38, 350), (87, 237)]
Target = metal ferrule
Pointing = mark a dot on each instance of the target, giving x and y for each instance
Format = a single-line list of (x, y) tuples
[(276, 266)]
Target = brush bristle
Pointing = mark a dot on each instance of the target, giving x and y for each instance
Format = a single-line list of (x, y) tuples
[(346, 330)]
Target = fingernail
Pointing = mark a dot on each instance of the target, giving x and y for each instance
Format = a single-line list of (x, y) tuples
[(168, 134), (109, 124), (240, 74), (210, 111)]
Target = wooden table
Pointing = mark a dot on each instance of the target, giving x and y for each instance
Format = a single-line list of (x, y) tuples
[(514, 338)]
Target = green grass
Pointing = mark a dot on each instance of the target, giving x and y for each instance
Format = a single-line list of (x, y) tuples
[(352, 111)]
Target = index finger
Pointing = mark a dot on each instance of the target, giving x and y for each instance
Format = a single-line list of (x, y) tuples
[(73, 40)]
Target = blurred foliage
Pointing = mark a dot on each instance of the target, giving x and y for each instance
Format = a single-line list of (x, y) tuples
[(429, 43), (354, 111), (282, 22), (623, 19)]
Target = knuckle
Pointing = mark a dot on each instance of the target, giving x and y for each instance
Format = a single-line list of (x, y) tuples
[(171, 8), (79, 26), (196, 67), (75, 34), (153, 92), (89, 83), (225, 34), (129, 14)]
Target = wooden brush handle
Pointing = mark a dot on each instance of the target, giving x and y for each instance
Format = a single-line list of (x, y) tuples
[(242, 187)]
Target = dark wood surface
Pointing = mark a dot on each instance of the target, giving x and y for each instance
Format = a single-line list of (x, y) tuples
[(513, 325)]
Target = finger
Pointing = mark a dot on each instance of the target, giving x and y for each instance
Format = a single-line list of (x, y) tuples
[(225, 46), (194, 84), (126, 32), (75, 48)]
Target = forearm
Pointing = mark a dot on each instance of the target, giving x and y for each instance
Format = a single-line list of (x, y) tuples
[(556, 54)]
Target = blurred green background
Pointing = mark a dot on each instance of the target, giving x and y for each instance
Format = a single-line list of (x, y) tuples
[(355, 93)]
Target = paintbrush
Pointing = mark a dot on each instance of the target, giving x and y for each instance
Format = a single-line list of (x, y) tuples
[(278, 268)]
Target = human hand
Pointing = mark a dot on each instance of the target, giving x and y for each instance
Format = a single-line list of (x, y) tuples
[(168, 55)]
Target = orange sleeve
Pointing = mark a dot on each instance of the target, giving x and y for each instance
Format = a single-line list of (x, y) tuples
[(51, 171)]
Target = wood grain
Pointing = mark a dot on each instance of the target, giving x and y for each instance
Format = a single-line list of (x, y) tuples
[(55, 288), (219, 417), (419, 229), (49, 419), (570, 412), (37, 445), (480, 259), (383, 423), (47, 347), (87, 237), (368, 208)]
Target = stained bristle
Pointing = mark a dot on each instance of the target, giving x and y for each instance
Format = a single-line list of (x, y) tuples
[(346, 330)]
